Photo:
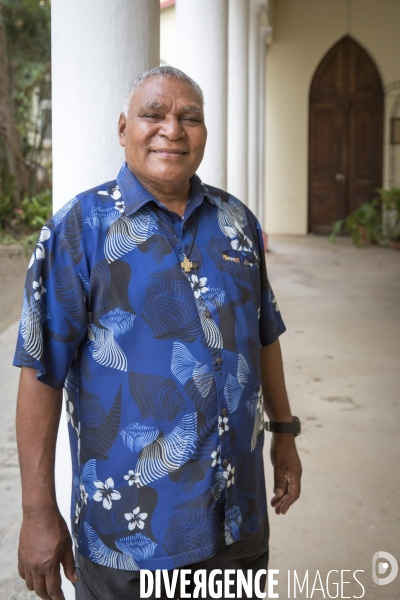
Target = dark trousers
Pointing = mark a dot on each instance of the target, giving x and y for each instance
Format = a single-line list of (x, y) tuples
[(103, 583)]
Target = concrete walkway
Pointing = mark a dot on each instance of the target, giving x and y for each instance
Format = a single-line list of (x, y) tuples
[(341, 307)]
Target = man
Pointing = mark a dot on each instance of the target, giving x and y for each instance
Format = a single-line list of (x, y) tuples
[(147, 300)]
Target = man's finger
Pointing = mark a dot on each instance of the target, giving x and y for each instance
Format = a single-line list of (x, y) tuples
[(21, 568), (293, 486), (280, 482), (278, 504), (55, 594), (39, 585), (286, 504), (68, 564), (29, 580), (283, 504), (53, 586)]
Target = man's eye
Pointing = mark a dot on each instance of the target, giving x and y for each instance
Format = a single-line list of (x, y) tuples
[(192, 119), (152, 116)]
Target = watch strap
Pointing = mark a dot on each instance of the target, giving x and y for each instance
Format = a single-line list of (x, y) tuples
[(278, 427)]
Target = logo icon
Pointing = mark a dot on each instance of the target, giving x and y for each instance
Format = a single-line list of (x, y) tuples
[(380, 568)]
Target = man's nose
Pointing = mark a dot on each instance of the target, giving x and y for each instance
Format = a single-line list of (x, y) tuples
[(172, 128)]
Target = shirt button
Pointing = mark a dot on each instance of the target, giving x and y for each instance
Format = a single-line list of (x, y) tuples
[(224, 412), (195, 266), (218, 361), (207, 314), (226, 462)]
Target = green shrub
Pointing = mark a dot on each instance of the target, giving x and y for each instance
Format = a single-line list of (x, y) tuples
[(26, 219), (367, 215)]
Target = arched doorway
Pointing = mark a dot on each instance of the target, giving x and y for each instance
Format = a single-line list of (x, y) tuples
[(345, 134)]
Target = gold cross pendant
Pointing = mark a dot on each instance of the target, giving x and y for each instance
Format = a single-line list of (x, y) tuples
[(186, 265)]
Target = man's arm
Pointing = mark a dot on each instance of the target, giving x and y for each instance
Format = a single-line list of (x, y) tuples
[(45, 542), (284, 457)]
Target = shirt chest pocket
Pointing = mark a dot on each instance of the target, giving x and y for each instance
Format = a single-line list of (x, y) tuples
[(241, 259), (241, 265)]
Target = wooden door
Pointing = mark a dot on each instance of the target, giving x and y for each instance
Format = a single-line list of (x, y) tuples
[(345, 134)]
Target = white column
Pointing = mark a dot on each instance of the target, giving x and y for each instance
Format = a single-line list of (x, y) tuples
[(202, 30), (238, 62), (265, 32), (254, 127), (98, 47)]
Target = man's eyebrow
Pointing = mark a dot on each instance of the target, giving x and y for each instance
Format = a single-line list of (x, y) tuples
[(190, 108), (155, 106), (193, 108)]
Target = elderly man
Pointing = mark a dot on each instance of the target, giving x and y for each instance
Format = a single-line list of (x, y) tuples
[(147, 300)]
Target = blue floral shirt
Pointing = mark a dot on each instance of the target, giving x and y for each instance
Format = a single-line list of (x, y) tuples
[(160, 360)]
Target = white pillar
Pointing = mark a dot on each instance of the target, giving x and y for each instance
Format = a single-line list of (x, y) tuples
[(238, 62), (254, 127), (265, 32), (202, 30), (98, 47)]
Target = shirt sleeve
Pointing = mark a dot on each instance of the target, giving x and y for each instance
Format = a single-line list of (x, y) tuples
[(54, 314), (271, 324)]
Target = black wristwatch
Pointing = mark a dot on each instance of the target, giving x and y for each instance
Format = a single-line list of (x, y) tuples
[(276, 427)]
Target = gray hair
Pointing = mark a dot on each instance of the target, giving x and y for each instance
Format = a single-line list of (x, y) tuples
[(165, 71)]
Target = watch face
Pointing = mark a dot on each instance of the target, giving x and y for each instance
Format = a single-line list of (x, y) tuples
[(296, 421)]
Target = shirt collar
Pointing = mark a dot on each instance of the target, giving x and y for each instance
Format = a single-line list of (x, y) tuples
[(135, 195)]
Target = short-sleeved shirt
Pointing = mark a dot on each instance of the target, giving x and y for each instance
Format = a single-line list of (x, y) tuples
[(153, 324)]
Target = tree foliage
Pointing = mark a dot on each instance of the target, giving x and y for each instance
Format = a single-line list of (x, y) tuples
[(27, 25), (24, 77)]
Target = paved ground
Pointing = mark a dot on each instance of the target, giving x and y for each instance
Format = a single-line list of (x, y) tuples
[(342, 310), (13, 265)]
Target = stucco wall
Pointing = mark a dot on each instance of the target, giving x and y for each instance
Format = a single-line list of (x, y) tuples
[(304, 30), (168, 36)]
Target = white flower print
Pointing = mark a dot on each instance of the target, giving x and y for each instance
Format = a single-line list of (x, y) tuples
[(216, 456), (40, 289), (84, 495), (136, 519), (70, 409), (77, 512), (198, 285), (78, 434), (276, 304), (229, 475), (106, 493), (222, 425), (39, 252), (115, 193), (239, 241), (120, 206), (132, 477)]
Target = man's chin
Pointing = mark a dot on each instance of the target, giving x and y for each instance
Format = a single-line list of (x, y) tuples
[(173, 177), (161, 174)]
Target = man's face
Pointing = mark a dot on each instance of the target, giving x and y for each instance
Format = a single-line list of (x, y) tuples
[(164, 134)]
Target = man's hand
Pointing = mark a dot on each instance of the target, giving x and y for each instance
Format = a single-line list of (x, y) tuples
[(284, 457), (44, 544), (287, 472)]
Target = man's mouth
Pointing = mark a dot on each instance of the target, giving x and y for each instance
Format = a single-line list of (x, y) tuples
[(169, 153)]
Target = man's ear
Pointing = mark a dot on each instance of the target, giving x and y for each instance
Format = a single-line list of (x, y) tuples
[(121, 129)]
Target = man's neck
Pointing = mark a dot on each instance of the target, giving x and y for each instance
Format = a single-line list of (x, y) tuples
[(174, 197)]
